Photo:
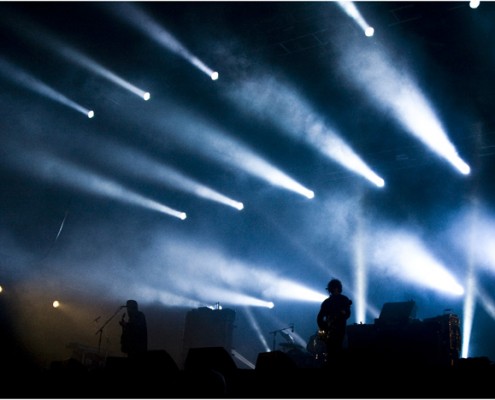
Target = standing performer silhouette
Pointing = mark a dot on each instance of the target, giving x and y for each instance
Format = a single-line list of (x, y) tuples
[(332, 318), (134, 338)]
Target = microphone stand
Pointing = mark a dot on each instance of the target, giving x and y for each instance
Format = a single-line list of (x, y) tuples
[(100, 331), (274, 333)]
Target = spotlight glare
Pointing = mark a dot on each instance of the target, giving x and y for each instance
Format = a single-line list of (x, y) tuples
[(406, 100), (146, 96), (56, 304), (474, 4), (91, 114), (240, 206), (369, 31), (464, 168), (409, 257), (310, 194), (183, 216), (214, 76)]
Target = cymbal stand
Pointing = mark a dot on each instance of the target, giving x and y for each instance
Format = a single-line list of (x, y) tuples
[(100, 331), (274, 333)]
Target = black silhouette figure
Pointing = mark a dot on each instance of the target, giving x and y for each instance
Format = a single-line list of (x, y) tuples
[(332, 318), (134, 338)]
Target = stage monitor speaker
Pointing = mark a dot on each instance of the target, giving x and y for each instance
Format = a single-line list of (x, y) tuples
[(274, 360), (397, 314), (215, 358), (156, 361)]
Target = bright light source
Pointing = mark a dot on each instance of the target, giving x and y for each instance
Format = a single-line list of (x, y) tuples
[(154, 170), (474, 3), (286, 289), (146, 96), (279, 99), (56, 304), (403, 97), (232, 296), (91, 114), (353, 12), (468, 312), (50, 41), (32, 83), (462, 166), (250, 162), (214, 76), (407, 256), (137, 17), (87, 181)]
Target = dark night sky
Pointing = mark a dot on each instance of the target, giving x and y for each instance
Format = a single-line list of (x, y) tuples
[(284, 67)]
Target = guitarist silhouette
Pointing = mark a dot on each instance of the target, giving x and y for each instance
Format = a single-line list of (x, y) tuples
[(332, 318)]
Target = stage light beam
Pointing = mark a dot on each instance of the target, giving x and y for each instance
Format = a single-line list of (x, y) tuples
[(35, 33), (218, 277), (66, 174), (29, 82), (136, 17), (403, 254), (146, 168), (352, 11), (93, 66), (286, 289), (220, 147), (272, 99), (256, 327), (395, 90)]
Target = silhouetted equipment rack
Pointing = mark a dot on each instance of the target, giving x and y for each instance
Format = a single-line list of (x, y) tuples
[(398, 336)]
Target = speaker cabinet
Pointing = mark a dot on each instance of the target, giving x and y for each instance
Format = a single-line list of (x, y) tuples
[(205, 327), (396, 314)]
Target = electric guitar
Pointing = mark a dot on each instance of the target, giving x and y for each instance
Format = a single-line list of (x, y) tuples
[(331, 327)]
